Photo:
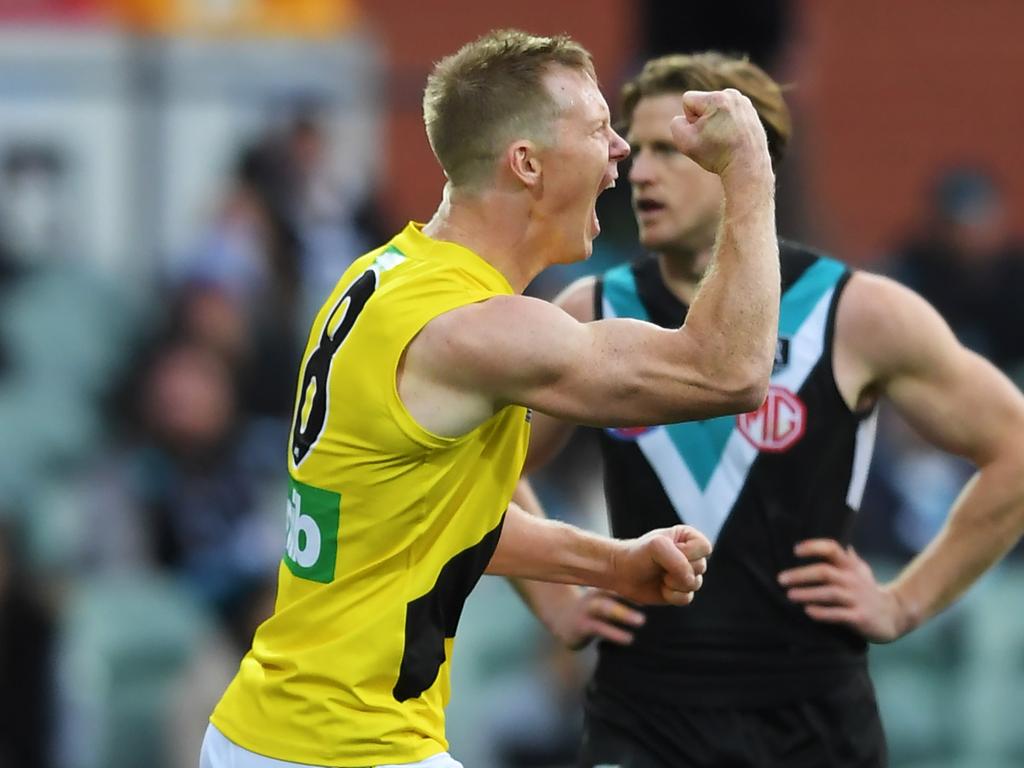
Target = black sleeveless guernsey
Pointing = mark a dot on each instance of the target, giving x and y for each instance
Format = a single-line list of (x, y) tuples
[(755, 484)]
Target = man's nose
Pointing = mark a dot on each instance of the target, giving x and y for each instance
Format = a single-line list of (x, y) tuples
[(640, 169), (618, 150)]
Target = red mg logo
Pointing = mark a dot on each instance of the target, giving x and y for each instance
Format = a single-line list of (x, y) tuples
[(778, 424)]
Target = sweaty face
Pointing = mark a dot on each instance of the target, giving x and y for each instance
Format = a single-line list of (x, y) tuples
[(677, 203), (578, 166)]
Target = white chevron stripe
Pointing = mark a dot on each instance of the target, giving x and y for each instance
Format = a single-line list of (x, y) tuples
[(728, 479), (607, 309), (805, 347), (677, 480), (865, 447)]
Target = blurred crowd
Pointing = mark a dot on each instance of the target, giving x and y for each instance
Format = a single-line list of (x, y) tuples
[(143, 425), (146, 429)]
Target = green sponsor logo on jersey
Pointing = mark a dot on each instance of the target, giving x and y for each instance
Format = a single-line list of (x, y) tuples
[(311, 543)]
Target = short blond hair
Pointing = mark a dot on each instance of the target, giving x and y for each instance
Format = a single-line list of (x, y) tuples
[(713, 71), (490, 93)]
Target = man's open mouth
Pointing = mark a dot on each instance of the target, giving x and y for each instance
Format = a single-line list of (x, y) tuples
[(645, 205)]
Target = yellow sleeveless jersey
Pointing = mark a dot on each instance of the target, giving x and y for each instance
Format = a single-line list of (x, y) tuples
[(389, 527)]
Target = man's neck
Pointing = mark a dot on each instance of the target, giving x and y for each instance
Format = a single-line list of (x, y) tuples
[(493, 228), (681, 272)]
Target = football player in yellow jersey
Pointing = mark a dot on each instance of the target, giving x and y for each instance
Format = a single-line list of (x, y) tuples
[(412, 408)]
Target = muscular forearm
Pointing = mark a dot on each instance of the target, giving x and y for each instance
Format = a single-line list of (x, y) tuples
[(735, 313), (986, 521), (662, 566), (534, 548)]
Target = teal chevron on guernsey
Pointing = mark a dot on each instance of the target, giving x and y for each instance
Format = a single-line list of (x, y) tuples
[(701, 444), (703, 465), (803, 296), (621, 293)]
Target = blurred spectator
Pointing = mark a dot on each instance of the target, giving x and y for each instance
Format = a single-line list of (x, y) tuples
[(208, 314), (282, 236), (197, 487), (967, 263), (334, 227), (194, 487), (244, 279), (26, 663)]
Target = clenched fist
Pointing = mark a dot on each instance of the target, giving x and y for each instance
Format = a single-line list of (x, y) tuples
[(663, 566), (720, 130)]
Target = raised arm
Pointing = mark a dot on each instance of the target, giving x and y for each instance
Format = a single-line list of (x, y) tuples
[(513, 349), (571, 613), (897, 344)]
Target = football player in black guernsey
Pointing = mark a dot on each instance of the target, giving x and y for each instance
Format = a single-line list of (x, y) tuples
[(768, 667)]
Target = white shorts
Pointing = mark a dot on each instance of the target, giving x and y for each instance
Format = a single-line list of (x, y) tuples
[(220, 752)]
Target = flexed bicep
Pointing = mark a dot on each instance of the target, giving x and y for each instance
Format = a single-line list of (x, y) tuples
[(525, 351)]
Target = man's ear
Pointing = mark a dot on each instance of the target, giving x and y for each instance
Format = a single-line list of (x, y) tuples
[(523, 159)]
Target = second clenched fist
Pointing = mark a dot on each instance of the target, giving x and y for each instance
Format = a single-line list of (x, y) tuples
[(664, 566)]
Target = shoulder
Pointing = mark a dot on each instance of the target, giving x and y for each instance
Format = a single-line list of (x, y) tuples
[(495, 313), (490, 334), (577, 298), (873, 302), (886, 325)]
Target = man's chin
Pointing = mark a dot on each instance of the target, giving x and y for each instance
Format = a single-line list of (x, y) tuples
[(580, 254), (650, 241), (657, 242), (583, 253)]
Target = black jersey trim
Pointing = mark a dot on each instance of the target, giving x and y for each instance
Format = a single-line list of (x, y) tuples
[(663, 306), (794, 260), (434, 617)]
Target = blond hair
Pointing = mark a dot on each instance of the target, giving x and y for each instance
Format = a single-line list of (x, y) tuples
[(490, 93), (713, 71)]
